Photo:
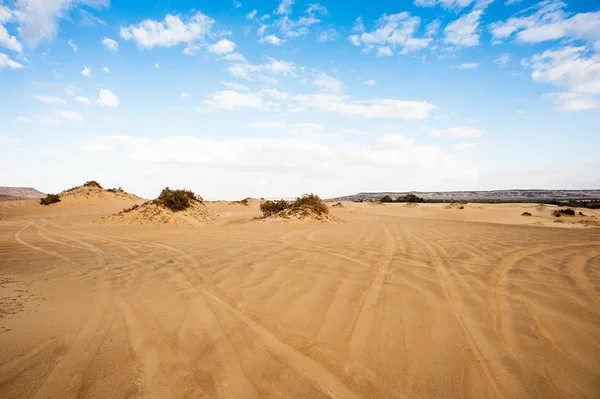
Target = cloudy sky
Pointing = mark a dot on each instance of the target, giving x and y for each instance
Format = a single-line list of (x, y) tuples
[(277, 98)]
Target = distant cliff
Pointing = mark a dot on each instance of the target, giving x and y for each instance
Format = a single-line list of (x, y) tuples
[(497, 195), (19, 193)]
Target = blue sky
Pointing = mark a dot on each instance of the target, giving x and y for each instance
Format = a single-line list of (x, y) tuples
[(277, 98)]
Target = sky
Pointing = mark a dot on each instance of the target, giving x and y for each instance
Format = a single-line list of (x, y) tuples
[(249, 98)]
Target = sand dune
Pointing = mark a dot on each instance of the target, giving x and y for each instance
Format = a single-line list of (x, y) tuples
[(399, 302)]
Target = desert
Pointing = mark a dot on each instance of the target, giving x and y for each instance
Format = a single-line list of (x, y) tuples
[(388, 301)]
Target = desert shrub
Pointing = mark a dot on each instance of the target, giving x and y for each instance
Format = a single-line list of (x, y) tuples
[(92, 183), (313, 202), (269, 208), (115, 190), (581, 214), (526, 214), (559, 212), (410, 198), (387, 198), (50, 199), (177, 200), (132, 208)]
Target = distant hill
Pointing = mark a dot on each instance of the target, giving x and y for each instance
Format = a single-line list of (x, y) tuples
[(497, 195), (19, 193)]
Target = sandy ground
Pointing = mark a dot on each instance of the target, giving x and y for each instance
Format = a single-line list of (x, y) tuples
[(397, 302)]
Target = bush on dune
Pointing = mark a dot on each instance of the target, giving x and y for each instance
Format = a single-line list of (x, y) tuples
[(568, 212), (50, 199), (177, 200), (92, 183), (269, 208), (311, 202)]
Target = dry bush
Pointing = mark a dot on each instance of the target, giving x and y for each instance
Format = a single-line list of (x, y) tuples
[(568, 212), (50, 199), (312, 201), (177, 200), (92, 183), (526, 214), (269, 208)]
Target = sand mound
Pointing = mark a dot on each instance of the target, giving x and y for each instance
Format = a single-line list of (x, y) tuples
[(411, 205), (337, 205), (93, 190), (304, 213), (456, 205), (375, 203), (152, 213)]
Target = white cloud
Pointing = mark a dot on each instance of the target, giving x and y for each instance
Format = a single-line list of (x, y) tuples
[(6, 14), (84, 100), (70, 115), (110, 44), (236, 4), (432, 28), (503, 59), (384, 52), (328, 83), (369, 82), (73, 45), (232, 100), (464, 147), (275, 67), (289, 27), (468, 65), (107, 98), (105, 70), (380, 108), (252, 14), (271, 39), (458, 132), (235, 57), (239, 154), (393, 150), (50, 100), (294, 128), (38, 20), (548, 21), (156, 65), (6, 62), (396, 30), (223, 46), (463, 32), (88, 19), (184, 95), (86, 71), (285, 7), (328, 35), (577, 69), (168, 32), (236, 86), (8, 41)]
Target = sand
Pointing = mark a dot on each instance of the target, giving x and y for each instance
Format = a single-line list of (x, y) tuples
[(396, 302)]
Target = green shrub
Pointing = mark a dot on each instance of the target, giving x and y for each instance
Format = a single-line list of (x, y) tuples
[(409, 198), (269, 208), (387, 198), (50, 199), (177, 200), (312, 201)]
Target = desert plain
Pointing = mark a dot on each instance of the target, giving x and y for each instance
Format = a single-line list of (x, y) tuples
[(390, 301)]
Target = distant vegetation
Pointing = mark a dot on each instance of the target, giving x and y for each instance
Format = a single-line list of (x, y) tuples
[(568, 212), (308, 201), (177, 200), (115, 190), (50, 199), (405, 198)]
